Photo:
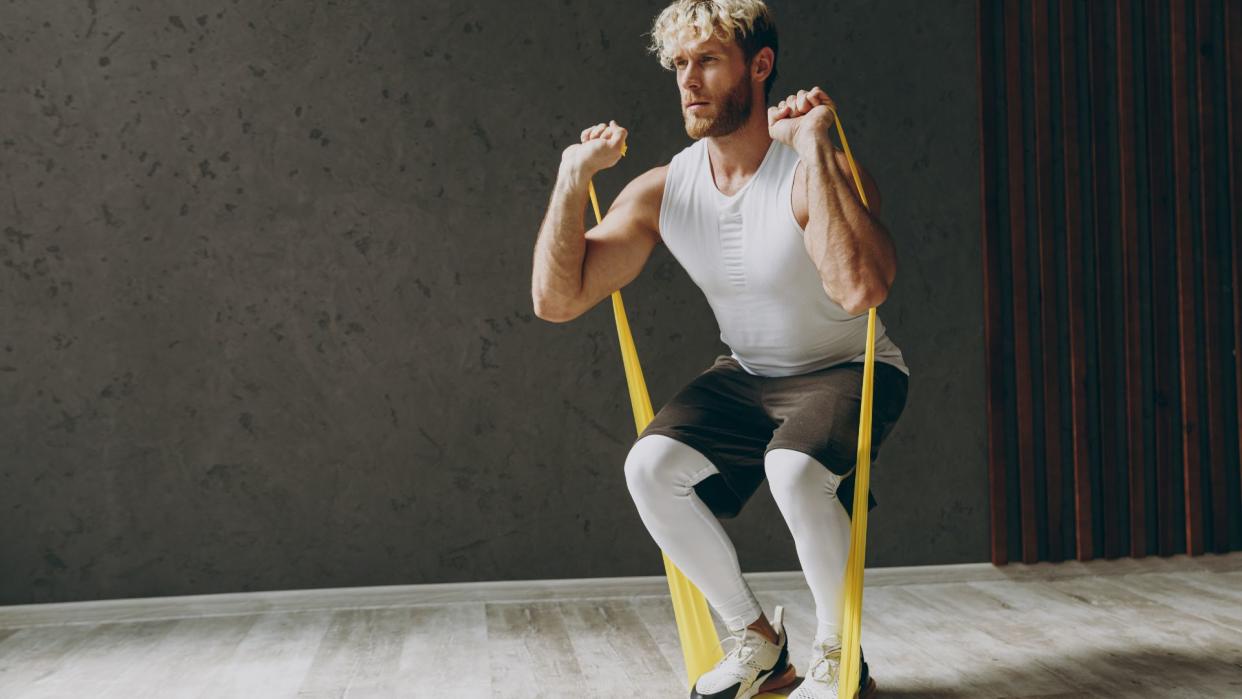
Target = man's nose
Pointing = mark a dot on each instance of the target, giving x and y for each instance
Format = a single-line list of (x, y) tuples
[(689, 80)]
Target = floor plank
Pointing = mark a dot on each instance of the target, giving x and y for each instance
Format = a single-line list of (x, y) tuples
[(183, 661), (273, 659), (446, 647), (529, 651), (94, 666), (614, 648)]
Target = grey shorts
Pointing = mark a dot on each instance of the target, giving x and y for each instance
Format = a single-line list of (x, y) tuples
[(733, 418)]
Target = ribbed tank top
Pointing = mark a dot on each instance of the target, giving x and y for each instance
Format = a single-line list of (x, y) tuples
[(746, 253)]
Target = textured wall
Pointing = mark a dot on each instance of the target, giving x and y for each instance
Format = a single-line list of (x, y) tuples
[(264, 304)]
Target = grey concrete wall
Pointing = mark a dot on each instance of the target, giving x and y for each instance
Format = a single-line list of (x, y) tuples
[(264, 297)]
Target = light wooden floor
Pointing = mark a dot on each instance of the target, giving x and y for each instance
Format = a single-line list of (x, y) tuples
[(1150, 628)]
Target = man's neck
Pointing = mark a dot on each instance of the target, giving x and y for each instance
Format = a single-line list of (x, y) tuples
[(739, 154)]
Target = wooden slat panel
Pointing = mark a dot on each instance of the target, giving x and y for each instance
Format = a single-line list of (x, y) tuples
[(1075, 292), (1104, 310), (1161, 280), (1141, 304), (1206, 69), (1133, 349), (1019, 277), (1188, 331), (1233, 86), (992, 297), (1049, 313)]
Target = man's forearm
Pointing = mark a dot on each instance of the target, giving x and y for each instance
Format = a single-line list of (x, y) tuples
[(851, 249), (561, 246)]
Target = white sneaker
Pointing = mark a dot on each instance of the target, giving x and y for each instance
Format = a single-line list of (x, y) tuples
[(753, 665), (822, 673)]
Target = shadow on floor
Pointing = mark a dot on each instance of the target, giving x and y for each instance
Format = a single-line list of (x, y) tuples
[(1137, 672)]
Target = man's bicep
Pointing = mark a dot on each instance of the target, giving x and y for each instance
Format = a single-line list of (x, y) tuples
[(616, 251), (620, 245)]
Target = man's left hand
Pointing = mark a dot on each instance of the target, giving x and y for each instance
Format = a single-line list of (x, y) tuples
[(802, 118)]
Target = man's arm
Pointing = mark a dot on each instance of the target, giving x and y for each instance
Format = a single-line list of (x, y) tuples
[(850, 247), (576, 269)]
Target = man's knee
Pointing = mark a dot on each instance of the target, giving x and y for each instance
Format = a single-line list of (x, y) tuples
[(792, 474), (660, 463)]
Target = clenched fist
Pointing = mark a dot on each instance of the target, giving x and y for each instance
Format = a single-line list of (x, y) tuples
[(801, 117), (601, 147)]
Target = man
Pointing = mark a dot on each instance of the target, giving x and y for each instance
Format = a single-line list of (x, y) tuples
[(763, 213)]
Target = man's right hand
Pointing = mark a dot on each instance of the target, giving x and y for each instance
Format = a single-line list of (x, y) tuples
[(599, 149)]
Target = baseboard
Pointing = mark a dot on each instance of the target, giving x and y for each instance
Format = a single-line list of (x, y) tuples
[(287, 601)]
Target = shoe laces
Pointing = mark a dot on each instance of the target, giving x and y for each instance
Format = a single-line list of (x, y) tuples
[(744, 645), (827, 663)]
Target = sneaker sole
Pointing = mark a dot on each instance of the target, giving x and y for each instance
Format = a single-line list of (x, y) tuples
[(786, 678), (868, 692)]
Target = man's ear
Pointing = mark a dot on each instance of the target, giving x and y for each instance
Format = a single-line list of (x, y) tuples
[(761, 63)]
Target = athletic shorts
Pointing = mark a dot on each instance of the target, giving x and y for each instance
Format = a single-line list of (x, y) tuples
[(734, 417)]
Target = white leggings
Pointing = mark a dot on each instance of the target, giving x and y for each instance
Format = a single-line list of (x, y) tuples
[(661, 472)]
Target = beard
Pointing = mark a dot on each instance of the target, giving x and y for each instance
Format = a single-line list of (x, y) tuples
[(729, 116)]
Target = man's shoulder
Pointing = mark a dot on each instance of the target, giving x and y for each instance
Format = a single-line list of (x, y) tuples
[(649, 195), (653, 181), (647, 190)]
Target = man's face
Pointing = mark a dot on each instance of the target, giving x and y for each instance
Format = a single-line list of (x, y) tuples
[(716, 92)]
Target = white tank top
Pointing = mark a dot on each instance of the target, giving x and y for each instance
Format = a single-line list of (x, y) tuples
[(746, 253)]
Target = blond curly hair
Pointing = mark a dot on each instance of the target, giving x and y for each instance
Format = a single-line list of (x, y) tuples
[(748, 22)]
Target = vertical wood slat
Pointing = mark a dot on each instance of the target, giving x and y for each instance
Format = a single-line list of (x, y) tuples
[(1161, 252), (1049, 312), (1075, 293), (1018, 275), (1132, 324), (992, 297), (1188, 334), (1205, 74), (1100, 156), (1233, 102)]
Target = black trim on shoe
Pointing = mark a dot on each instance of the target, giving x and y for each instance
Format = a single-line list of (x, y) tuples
[(781, 660), (726, 693), (864, 673)]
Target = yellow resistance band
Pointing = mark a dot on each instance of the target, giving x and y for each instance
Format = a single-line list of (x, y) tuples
[(700, 645)]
